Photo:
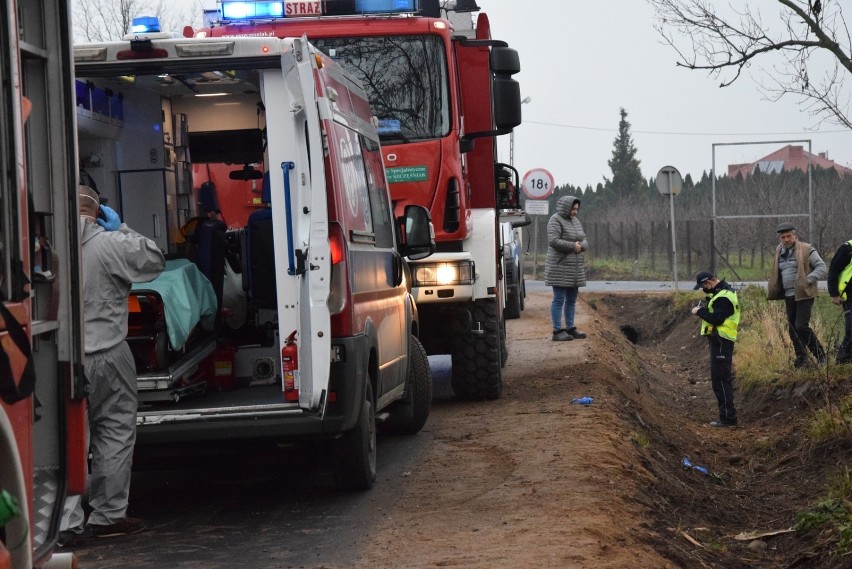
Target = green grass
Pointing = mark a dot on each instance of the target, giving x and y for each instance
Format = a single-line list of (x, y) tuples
[(641, 440), (604, 268), (833, 514), (832, 421), (601, 267)]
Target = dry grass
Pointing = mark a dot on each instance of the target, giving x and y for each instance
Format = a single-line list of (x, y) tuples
[(764, 357), (763, 352)]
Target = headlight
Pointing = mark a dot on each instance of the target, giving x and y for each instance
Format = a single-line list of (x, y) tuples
[(444, 274), (447, 274)]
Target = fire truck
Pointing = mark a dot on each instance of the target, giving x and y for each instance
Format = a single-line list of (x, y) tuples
[(42, 414), (442, 93)]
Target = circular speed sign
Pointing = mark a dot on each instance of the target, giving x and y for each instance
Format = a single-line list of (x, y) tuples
[(538, 184)]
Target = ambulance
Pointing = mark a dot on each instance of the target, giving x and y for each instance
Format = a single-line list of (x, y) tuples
[(297, 322)]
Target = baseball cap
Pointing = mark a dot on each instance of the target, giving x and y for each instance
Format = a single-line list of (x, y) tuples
[(702, 278)]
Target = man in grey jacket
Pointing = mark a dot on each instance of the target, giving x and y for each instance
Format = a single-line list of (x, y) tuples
[(794, 277), (114, 257)]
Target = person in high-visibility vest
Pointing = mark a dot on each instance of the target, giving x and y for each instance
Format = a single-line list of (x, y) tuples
[(721, 318), (839, 276)]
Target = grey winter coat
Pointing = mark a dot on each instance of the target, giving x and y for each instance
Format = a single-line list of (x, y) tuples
[(564, 266)]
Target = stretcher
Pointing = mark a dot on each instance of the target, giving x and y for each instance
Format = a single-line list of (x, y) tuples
[(171, 328)]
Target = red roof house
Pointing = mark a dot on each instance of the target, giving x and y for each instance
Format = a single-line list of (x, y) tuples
[(788, 158)]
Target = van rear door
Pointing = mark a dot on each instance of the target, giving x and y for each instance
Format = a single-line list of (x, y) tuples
[(300, 217)]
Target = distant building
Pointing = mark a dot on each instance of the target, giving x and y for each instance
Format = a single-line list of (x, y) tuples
[(788, 158)]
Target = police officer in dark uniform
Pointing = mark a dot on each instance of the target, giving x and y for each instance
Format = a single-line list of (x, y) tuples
[(839, 276), (720, 318)]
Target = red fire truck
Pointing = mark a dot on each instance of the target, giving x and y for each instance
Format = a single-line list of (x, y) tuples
[(42, 454), (441, 98)]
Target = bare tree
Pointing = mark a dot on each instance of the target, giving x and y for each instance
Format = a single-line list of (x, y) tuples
[(109, 20), (808, 47)]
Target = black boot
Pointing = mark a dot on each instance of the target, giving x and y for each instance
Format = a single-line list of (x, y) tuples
[(576, 333)]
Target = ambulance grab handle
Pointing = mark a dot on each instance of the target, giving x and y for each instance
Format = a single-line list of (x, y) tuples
[(288, 215)]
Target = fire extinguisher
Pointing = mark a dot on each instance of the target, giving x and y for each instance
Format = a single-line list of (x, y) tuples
[(290, 367)]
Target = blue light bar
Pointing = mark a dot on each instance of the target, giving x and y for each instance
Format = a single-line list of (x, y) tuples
[(385, 6), (145, 24), (246, 10)]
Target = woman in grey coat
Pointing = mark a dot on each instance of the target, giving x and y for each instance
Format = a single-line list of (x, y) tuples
[(564, 268)]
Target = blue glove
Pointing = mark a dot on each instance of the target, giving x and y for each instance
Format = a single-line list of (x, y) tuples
[(112, 221)]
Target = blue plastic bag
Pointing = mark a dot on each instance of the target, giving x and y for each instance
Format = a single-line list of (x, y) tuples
[(582, 400), (688, 464)]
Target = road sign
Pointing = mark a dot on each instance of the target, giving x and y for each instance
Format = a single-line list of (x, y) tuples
[(537, 207), (669, 181), (538, 184)]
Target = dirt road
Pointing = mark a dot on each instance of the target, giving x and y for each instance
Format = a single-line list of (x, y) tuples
[(530, 480)]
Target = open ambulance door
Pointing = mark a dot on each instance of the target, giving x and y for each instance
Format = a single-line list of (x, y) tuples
[(300, 218)]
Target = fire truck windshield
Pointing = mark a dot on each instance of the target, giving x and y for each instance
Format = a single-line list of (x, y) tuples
[(405, 78)]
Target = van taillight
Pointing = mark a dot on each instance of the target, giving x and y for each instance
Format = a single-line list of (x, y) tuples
[(339, 288), (335, 243)]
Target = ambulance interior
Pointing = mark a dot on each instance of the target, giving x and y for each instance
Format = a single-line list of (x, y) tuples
[(180, 156)]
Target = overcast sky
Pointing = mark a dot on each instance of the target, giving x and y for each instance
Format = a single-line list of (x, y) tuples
[(582, 61)]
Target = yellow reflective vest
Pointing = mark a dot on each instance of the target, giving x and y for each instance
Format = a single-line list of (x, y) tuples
[(728, 328), (845, 277)]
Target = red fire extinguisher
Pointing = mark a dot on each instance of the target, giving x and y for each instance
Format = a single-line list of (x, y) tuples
[(290, 367)]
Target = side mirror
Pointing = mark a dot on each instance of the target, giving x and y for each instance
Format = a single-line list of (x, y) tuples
[(507, 102), (417, 234), (505, 61), (526, 220), (506, 91)]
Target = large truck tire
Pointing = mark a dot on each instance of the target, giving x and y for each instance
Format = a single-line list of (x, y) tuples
[(355, 452), (477, 358), (408, 416)]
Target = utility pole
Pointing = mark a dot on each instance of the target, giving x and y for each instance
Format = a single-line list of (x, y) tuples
[(512, 138)]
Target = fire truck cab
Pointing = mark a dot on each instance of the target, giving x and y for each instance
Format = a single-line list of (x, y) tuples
[(442, 90), (294, 321), (42, 453)]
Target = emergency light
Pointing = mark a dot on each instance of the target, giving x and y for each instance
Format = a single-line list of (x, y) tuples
[(243, 10), (385, 6), (145, 24)]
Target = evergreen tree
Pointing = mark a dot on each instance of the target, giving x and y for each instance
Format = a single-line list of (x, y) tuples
[(626, 174)]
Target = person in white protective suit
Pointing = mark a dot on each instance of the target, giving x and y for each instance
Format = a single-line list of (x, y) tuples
[(113, 257)]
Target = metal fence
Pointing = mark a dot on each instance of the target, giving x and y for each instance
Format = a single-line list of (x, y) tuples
[(637, 250)]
